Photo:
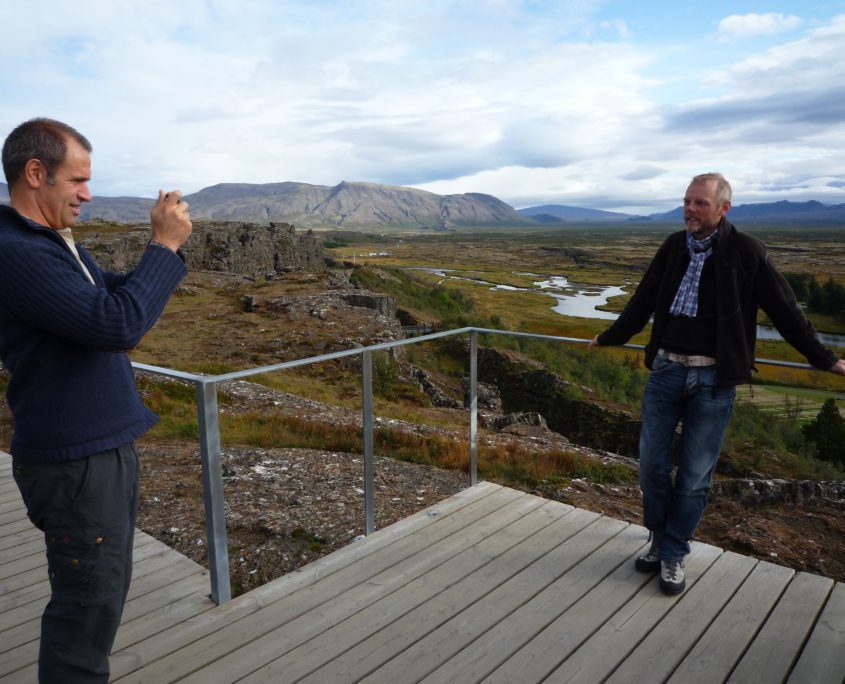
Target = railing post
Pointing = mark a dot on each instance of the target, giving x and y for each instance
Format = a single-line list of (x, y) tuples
[(212, 485), (367, 408), (473, 407)]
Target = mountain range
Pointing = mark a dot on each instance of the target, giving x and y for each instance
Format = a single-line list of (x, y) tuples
[(370, 206)]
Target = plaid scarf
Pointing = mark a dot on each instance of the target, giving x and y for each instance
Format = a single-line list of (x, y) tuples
[(686, 299)]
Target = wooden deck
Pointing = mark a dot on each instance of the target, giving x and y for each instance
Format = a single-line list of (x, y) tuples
[(489, 585)]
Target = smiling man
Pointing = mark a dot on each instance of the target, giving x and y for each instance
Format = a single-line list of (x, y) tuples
[(704, 288), (64, 327)]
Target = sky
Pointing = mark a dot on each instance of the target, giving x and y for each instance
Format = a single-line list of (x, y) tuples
[(595, 103)]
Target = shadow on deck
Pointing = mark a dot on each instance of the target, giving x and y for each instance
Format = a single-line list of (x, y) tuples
[(489, 585)]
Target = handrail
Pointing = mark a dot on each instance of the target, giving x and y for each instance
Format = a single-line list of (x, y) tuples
[(208, 420)]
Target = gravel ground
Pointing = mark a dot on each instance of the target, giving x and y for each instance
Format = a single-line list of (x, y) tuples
[(284, 507)]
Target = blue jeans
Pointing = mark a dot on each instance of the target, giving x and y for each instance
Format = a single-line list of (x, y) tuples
[(676, 393)]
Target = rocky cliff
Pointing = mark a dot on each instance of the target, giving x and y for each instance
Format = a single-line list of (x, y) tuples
[(242, 248), (525, 386)]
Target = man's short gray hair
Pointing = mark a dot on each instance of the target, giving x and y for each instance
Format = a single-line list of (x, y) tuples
[(723, 188)]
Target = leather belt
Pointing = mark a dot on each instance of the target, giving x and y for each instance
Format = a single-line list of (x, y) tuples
[(692, 360)]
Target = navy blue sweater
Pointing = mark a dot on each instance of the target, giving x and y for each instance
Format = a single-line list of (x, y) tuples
[(72, 389)]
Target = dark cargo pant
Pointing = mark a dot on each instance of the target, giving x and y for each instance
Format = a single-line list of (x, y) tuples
[(87, 510)]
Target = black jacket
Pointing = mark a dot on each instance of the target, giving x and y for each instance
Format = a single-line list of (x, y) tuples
[(746, 280)]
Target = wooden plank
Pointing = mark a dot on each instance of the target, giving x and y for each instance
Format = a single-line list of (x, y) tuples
[(24, 613), (461, 580), (139, 604), (24, 548), (23, 656), (657, 656), (169, 569), (10, 493), (13, 539), (19, 634), (484, 585), (35, 579), (773, 653), (145, 558), (599, 655), (28, 674), (344, 593), (722, 645), (23, 580), (484, 495), (189, 601), (548, 649), (20, 643), (11, 528), (34, 592), (9, 490), (153, 557), (12, 516), (10, 505), (440, 644), (392, 540), (498, 586), (17, 566), (823, 658), (161, 571), (588, 557)]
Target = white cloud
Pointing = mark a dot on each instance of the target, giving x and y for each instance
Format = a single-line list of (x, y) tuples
[(618, 26), (528, 100), (750, 25)]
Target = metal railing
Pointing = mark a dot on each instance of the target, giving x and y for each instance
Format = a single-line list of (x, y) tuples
[(209, 429)]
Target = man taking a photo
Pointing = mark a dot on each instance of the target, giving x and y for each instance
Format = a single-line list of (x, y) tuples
[(65, 325)]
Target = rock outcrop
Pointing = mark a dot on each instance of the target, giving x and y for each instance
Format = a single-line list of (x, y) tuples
[(384, 304), (245, 249), (436, 394), (525, 386), (763, 491)]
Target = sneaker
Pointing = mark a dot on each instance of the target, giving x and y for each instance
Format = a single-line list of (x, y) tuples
[(672, 577), (649, 561)]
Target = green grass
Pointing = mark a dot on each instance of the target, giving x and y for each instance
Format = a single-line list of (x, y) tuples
[(799, 402)]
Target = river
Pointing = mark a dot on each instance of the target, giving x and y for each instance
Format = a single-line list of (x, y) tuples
[(585, 300)]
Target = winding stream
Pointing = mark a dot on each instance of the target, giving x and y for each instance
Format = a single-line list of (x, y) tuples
[(586, 299)]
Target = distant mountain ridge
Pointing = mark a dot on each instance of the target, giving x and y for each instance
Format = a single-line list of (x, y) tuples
[(554, 213), (783, 212), (346, 205), (370, 205)]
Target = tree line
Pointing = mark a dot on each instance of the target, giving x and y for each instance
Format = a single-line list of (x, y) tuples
[(827, 298)]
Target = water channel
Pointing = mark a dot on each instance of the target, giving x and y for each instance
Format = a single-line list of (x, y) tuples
[(581, 300)]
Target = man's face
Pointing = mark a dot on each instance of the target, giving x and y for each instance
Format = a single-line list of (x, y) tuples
[(60, 198), (702, 211)]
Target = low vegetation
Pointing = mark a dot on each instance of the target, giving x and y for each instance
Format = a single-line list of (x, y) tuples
[(765, 435), (269, 429)]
